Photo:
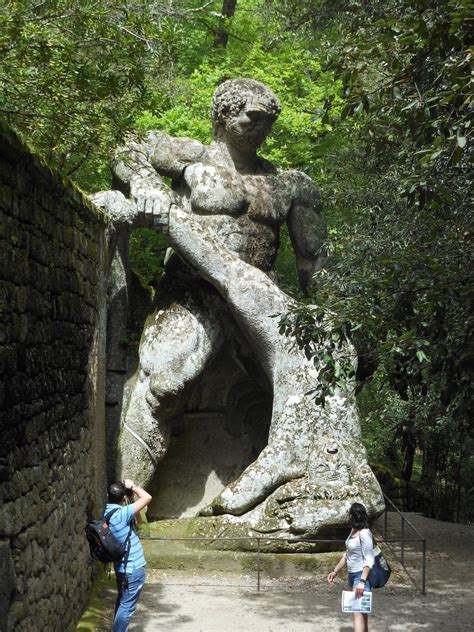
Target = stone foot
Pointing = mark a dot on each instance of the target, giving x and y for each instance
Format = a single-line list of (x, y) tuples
[(301, 492), (274, 467), (305, 507)]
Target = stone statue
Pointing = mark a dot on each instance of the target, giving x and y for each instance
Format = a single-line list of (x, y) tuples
[(222, 217)]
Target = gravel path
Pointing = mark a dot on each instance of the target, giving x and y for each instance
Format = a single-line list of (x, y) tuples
[(180, 603)]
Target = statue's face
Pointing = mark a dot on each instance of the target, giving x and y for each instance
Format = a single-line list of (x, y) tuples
[(250, 126)]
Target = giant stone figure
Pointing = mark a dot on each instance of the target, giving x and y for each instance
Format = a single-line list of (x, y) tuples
[(222, 217)]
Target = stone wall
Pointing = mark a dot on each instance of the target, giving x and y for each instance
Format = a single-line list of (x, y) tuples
[(52, 330)]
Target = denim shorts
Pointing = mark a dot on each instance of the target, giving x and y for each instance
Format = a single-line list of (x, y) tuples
[(353, 580)]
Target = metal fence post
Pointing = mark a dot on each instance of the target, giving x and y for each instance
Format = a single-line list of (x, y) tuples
[(258, 564), (403, 541), (423, 575), (319, 540), (385, 522)]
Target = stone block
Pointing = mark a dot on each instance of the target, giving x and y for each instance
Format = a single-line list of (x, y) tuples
[(7, 573), (8, 359), (6, 196), (14, 265), (51, 304), (21, 298)]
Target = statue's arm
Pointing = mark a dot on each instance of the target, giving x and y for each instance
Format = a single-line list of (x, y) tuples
[(153, 155), (306, 227), (139, 164)]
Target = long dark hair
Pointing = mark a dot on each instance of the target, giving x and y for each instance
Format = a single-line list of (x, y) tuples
[(358, 518)]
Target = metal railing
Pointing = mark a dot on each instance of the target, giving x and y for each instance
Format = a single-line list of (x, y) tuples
[(258, 539), (405, 523), (264, 539)]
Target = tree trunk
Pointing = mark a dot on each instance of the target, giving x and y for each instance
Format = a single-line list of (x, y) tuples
[(428, 481), (408, 461), (409, 447), (222, 35)]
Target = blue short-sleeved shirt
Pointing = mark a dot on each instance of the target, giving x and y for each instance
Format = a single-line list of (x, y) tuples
[(120, 525)]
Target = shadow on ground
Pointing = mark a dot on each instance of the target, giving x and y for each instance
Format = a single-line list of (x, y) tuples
[(221, 602)]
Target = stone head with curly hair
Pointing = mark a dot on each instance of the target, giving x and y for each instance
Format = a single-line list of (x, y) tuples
[(243, 112)]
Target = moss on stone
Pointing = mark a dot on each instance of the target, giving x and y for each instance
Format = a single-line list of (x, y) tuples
[(99, 606), (16, 150), (204, 558), (172, 555), (237, 556)]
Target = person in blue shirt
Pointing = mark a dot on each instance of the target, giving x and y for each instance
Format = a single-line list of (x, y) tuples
[(128, 500)]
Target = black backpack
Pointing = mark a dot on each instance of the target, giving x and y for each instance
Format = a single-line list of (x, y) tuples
[(103, 544)]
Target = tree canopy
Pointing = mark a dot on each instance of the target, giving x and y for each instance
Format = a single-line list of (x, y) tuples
[(377, 102), (401, 287)]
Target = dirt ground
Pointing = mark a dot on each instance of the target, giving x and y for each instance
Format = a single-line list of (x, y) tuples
[(177, 602)]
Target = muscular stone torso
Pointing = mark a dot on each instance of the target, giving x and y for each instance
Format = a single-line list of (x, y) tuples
[(246, 211)]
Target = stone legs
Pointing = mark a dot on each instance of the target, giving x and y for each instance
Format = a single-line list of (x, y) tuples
[(178, 341), (313, 453), (314, 465)]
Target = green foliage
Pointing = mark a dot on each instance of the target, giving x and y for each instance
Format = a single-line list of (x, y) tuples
[(410, 63), (147, 251), (379, 409), (326, 345), (401, 284), (286, 268), (376, 108), (294, 75), (75, 75)]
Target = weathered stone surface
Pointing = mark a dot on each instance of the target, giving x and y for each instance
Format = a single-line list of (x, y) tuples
[(318, 450), (221, 433), (223, 219), (52, 361), (7, 573), (238, 196)]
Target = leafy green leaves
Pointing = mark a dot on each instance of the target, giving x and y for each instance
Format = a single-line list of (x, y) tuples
[(326, 345), (396, 192), (75, 75), (413, 69)]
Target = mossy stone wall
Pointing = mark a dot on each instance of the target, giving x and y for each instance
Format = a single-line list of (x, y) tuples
[(52, 347)]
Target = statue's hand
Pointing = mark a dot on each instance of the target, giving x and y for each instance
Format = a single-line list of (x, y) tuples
[(153, 200), (120, 211)]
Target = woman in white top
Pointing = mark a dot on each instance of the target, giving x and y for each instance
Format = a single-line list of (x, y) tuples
[(359, 557)]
